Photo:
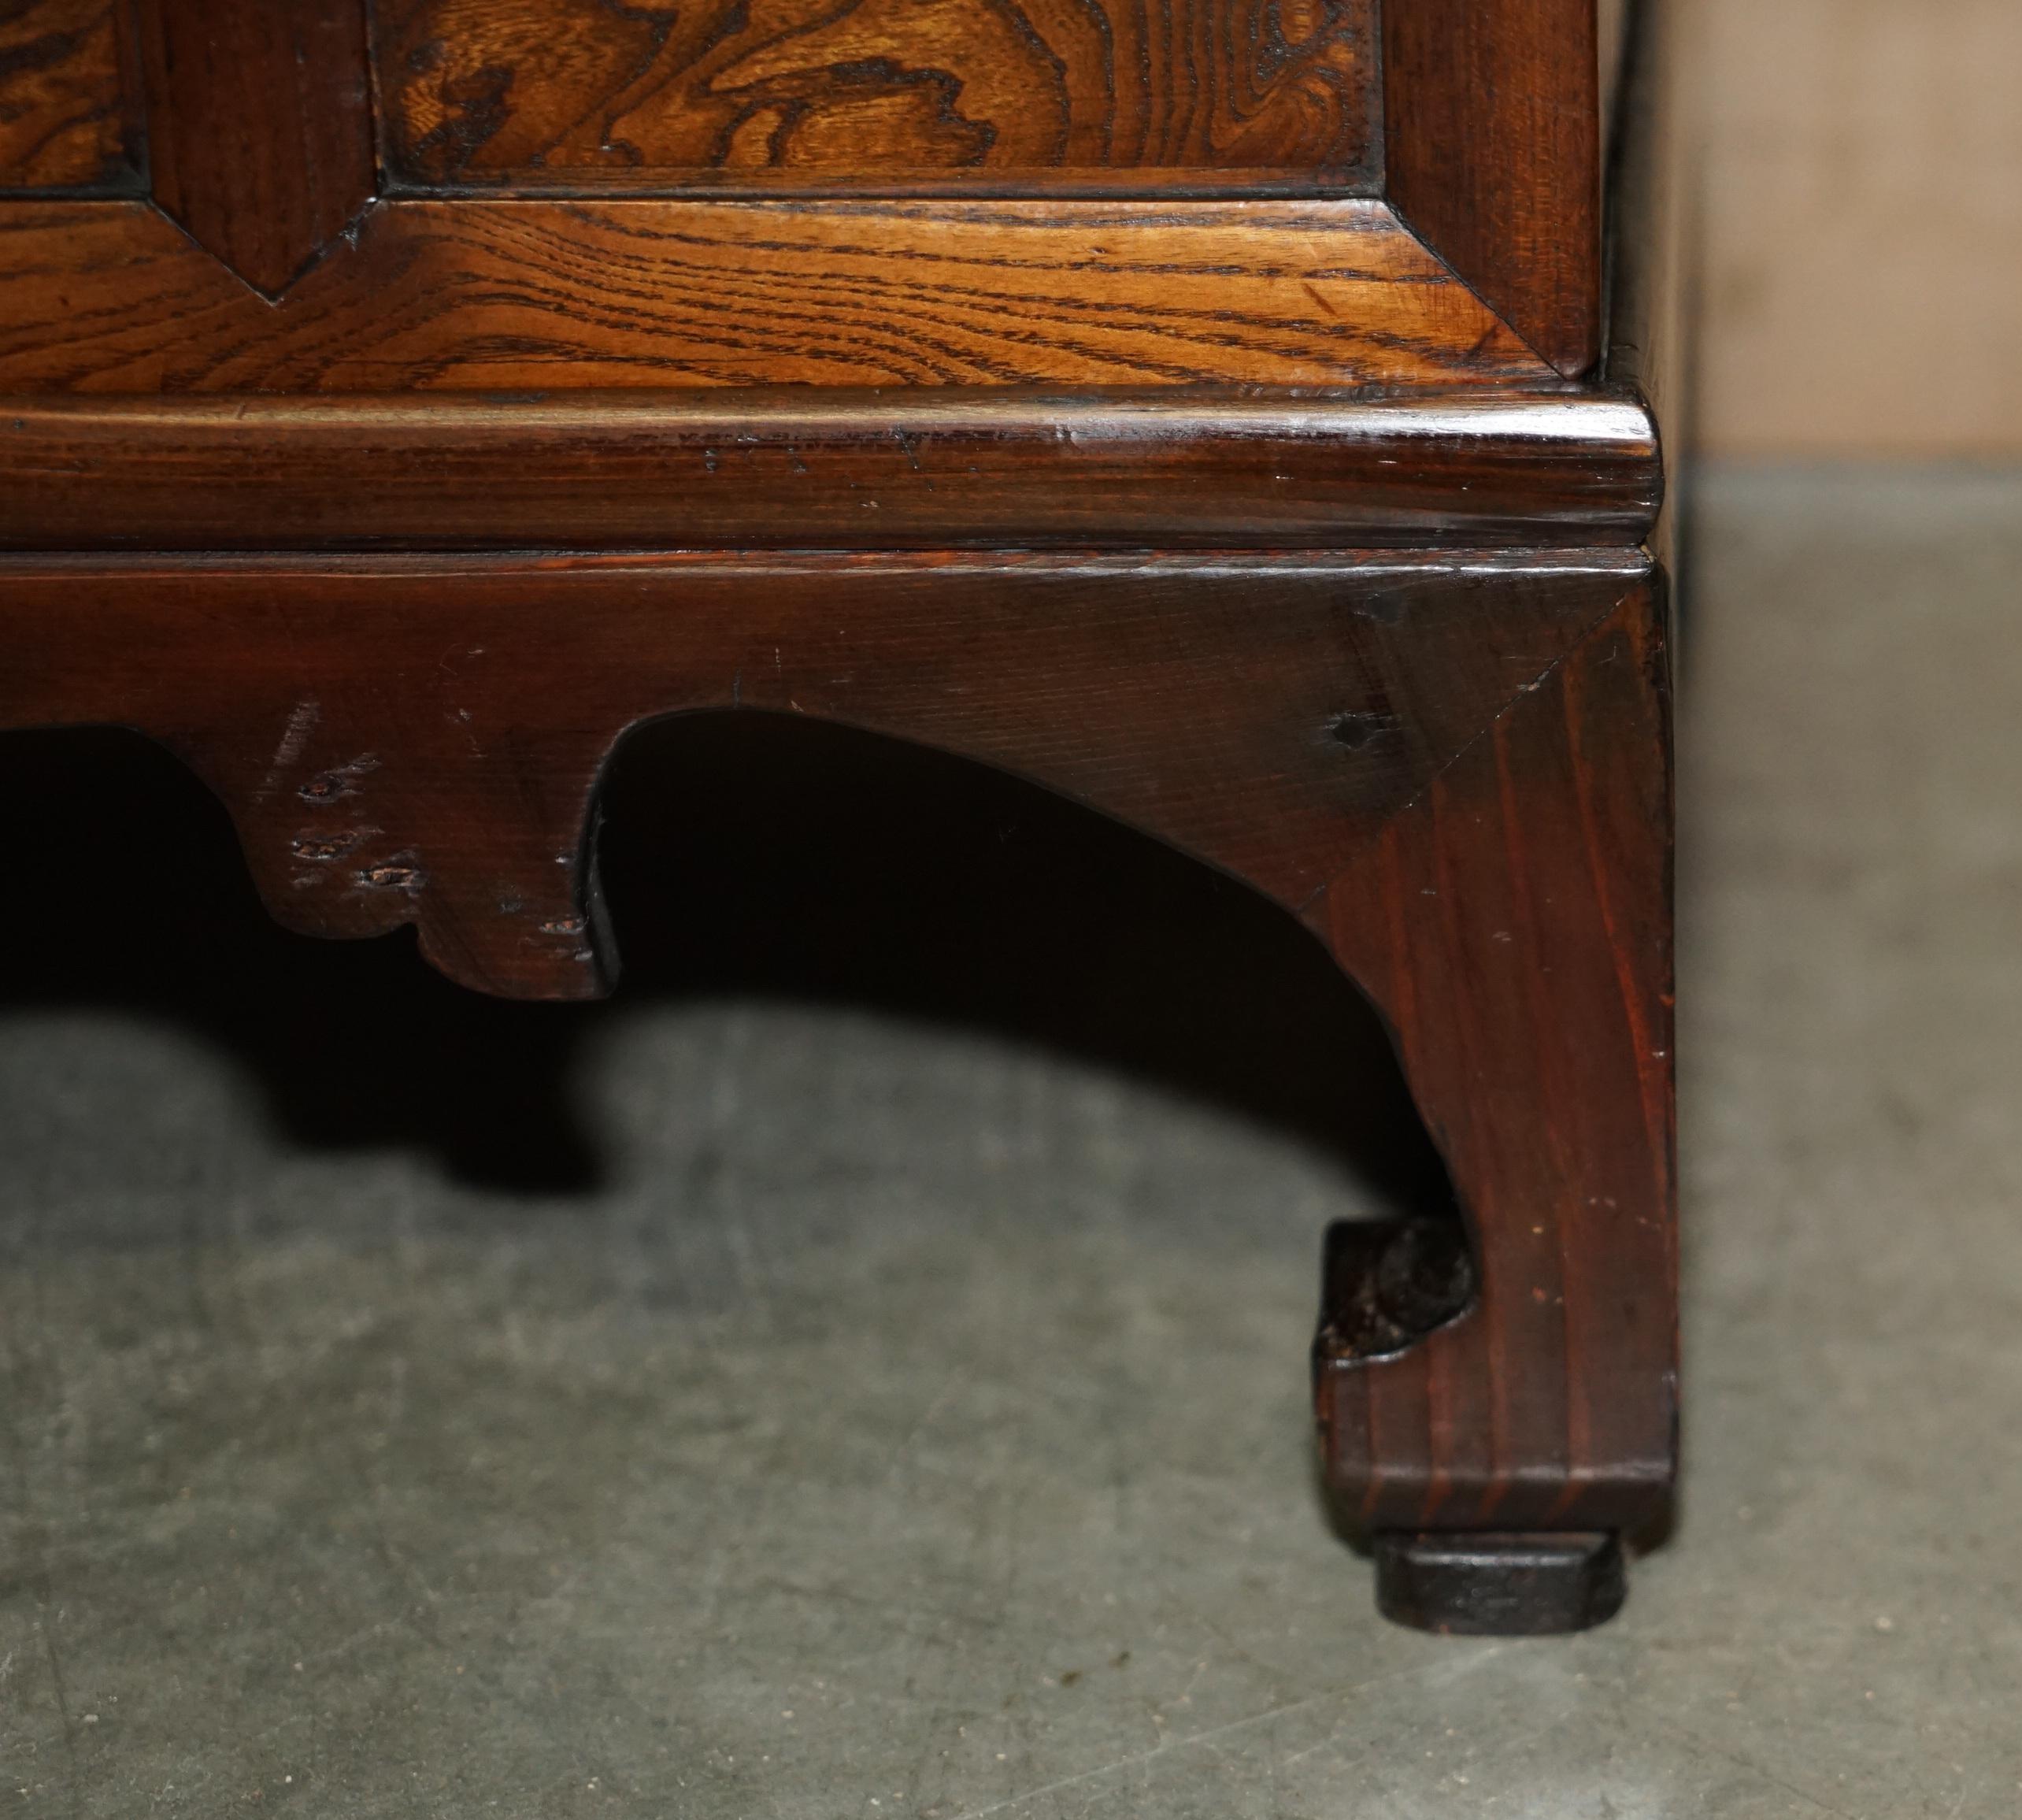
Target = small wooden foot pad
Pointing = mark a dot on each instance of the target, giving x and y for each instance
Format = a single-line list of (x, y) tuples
[(1487, 1584)]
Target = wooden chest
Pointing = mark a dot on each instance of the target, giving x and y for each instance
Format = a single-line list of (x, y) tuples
[(1222, 411)]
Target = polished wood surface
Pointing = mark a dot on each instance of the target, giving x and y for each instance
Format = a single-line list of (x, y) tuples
[(1173, 468), (1514, 925), (1494, 156), (64, 117), (581, 94), (516, 295), (259, 127)]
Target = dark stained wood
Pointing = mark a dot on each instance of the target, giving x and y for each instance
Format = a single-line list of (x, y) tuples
[(519, 295), (418, 739), (1493, 151), (1172, 467), (1490, 1585), (63, 116), (259, 127), (1386, 1284), (1514, 925), (579, 93)]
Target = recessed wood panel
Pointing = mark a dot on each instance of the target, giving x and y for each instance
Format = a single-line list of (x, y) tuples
[(62, 123), (786, 93)]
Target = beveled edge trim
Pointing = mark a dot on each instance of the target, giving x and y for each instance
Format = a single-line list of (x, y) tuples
[(812, 467), (1364, 563)]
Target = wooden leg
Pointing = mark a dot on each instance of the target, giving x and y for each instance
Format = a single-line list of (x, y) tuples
[(1513, 923)]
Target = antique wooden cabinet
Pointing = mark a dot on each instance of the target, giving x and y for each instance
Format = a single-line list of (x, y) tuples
[(1220, 411)]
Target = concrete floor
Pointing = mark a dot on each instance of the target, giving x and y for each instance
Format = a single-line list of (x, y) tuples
[(860, 1372)]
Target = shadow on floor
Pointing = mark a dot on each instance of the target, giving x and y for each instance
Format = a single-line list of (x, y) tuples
[(743, 856)]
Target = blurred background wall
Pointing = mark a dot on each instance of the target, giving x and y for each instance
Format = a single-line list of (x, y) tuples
[(1863, 276)]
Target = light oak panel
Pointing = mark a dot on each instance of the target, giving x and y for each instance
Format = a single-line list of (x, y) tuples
[(516, 294)]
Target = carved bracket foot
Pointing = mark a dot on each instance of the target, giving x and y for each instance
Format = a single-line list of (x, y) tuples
[(1453, 770)]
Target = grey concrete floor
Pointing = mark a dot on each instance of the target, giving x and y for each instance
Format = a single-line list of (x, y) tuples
[(861, 1371)]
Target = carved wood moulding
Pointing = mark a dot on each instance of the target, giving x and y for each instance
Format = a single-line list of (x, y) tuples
[(1170, 467)]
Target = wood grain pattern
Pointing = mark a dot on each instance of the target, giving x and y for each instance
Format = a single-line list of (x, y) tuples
[(1515, 929), (418, 740), (259, 127), (63, 114), (1176, 467), (520, 93), (482, 296), (1492, 124)]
